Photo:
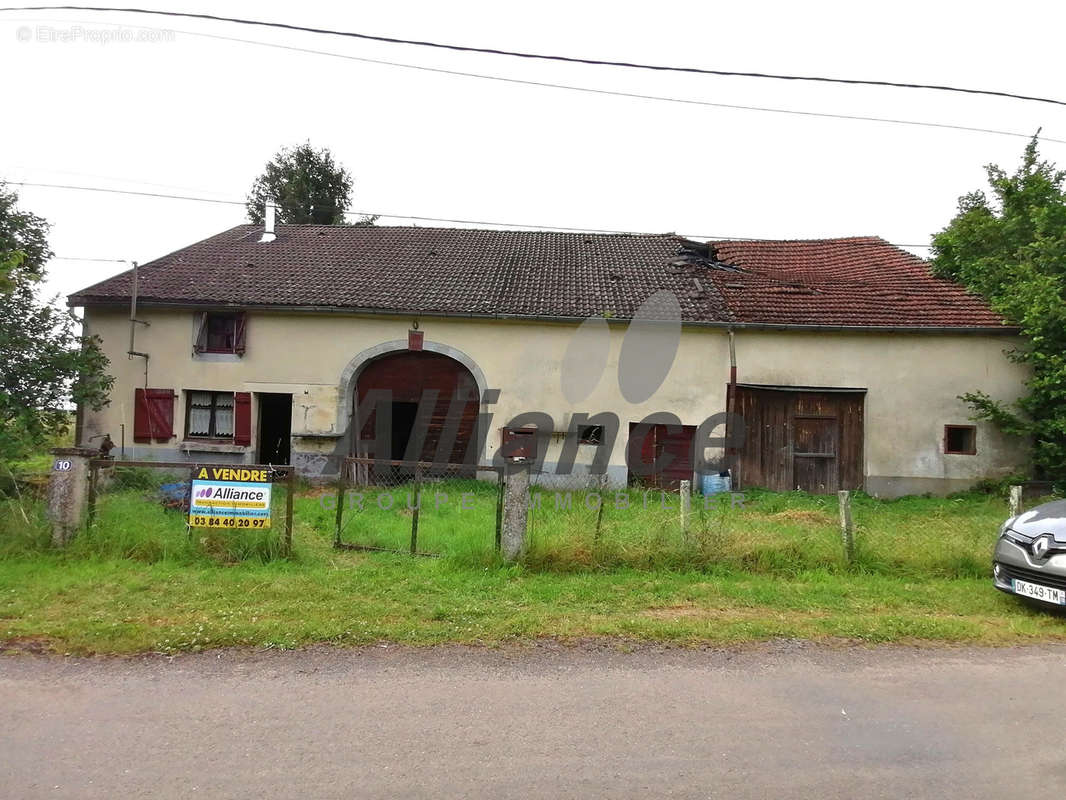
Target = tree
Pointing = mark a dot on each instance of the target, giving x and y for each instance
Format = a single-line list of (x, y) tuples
[(306, 185), (47, 363), (1012, 252)]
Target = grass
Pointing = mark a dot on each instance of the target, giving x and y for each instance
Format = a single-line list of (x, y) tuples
[(138, 582)]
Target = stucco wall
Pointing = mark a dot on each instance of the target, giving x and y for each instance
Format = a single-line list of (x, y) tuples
[(912, 381)]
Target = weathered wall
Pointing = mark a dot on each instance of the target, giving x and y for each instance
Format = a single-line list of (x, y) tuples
[(912, 382)]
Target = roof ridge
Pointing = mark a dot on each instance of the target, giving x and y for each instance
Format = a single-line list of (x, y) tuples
[(540, 231), (862, 238)]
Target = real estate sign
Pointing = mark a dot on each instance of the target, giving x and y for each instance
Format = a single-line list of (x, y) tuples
[(230, 497)]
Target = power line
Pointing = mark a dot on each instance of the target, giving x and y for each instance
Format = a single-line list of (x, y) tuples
[(542, 56), (161, 195), (610, 92), (397, 216), (631, 95), (100, 260)]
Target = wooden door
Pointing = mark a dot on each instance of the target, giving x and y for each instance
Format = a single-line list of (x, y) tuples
[(814, 454), (666, 443), (800, 438)]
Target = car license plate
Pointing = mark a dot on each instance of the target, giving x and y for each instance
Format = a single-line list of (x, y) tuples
[(1038, 592)]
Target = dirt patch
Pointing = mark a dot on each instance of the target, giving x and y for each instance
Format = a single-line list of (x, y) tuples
[(807, 516), (34, 645)]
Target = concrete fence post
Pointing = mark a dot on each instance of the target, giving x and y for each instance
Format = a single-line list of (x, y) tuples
[(847, 526), (68, 491), (515, 513), (686, 506), (1015, 501)]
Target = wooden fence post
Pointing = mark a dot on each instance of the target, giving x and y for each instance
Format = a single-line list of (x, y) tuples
[(290, 486), (340, 504), (1015, 501), (414, 512), (847, 527), (599, 510), (499, 508), (91, 511)]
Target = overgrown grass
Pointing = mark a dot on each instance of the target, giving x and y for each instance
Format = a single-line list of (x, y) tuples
[(763, 532), (138, 581)]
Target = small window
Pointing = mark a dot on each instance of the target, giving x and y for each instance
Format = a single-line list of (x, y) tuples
[(590, 434), (960, 439), (210, 415), (220, 332)]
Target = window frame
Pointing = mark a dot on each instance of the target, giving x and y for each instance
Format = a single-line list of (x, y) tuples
[(971, 430), (590, 434), (232, 318), (212, 436), (234, 329)]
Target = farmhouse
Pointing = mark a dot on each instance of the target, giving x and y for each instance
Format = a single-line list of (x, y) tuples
[(843, 358)]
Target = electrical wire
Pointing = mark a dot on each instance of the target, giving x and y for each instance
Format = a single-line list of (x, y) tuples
[(540, 56), (610, 92), (100, 260), (402, 216)]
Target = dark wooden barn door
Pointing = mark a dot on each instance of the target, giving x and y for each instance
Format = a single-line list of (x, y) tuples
[(809, 440), (425, 387)]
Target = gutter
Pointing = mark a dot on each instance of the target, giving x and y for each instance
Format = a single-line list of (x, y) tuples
[(1006, 330)]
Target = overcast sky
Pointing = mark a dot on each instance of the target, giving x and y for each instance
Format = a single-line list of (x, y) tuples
[(196, 114)]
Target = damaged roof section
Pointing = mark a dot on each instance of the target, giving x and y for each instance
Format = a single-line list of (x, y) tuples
[(859, 281), (551, 275)]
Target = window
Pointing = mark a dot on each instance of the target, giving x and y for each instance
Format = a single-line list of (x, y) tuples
[(960, 439), (220, 332), (210, 415), (590, 434)]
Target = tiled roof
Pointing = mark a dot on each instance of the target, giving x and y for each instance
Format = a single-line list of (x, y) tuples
[(857, 281), (863, 281)]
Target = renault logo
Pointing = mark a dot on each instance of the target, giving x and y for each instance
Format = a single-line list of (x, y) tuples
[(1041, 546)]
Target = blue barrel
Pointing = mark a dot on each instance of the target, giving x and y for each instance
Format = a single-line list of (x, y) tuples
[(713, 483)]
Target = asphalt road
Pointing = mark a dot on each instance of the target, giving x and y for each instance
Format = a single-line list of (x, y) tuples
[(783, 720)]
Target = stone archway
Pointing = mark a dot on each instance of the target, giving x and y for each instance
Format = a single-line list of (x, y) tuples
[(431, 386)]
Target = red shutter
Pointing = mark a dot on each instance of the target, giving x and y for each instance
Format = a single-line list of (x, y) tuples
[(242, 418), (153, 415), (239, 328), (141, 431)]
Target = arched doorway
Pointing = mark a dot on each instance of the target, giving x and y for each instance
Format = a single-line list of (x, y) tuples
[(434, 404)]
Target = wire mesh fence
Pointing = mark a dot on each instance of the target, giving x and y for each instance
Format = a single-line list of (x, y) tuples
[(419, 508), (143, 507), (140, 510), (585, 516)]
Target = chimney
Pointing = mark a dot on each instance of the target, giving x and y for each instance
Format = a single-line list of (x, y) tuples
[(268, 223)]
